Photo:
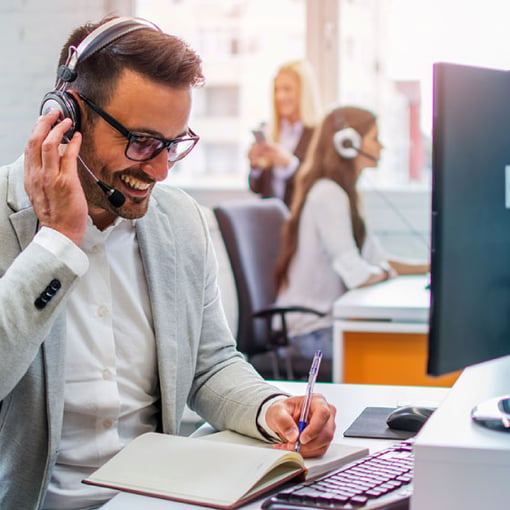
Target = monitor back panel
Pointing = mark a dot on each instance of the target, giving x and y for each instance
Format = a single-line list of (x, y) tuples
[(470, 274)]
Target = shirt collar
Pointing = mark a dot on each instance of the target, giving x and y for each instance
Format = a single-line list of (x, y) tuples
[(291, 127), (93, 234)]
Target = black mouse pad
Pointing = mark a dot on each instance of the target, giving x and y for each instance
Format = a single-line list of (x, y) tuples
[(371, 423)]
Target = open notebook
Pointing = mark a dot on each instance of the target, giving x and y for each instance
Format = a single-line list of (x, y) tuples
[(337, 455), (218, 471)]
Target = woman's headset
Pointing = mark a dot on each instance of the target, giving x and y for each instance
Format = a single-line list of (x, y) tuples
[(347, 141)]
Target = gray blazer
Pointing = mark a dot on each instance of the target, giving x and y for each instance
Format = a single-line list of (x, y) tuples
[(197, 359)]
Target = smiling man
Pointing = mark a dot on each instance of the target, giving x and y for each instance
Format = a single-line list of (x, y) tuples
[(110, 314)]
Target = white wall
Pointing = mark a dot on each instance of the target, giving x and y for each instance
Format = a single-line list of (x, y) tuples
[(401, 220), (31, 35)]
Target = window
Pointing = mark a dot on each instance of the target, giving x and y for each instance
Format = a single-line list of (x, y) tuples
[(373, 53), (242, 43)]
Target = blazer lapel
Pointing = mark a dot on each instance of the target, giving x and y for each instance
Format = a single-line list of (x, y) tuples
[(153, 232)]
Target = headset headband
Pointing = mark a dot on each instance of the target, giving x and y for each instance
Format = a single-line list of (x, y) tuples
[(105, 34), (99, 38)]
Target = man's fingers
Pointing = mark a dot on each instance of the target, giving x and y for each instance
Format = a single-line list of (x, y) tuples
[(318, 444), (320, 414), (50, 154), (282, 418), (39, 133)]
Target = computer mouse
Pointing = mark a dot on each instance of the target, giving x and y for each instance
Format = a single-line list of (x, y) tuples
[(409, 418)]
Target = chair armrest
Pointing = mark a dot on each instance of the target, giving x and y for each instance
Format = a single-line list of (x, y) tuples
[(270, 311), (279, 337)]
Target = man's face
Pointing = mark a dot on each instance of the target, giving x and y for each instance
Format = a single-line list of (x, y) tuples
[(143, 107)]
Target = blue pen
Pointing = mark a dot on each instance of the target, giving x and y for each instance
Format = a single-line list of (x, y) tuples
[(312, 377)]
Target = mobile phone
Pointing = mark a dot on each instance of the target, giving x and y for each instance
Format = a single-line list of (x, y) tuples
[(260, 135)]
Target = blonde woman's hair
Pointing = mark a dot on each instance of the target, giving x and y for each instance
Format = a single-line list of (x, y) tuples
[(309, 98)]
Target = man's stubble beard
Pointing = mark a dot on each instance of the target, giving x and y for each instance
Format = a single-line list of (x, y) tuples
[(96, 198)]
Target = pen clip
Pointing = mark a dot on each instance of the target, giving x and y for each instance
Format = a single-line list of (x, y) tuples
[(314, 369)]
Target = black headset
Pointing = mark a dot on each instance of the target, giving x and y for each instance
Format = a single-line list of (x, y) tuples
[(102, 36)]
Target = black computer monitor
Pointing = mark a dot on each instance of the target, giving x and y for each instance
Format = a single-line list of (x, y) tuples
[(470, 238)]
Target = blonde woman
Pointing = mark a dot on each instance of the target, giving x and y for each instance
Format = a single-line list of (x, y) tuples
[(278, 153)]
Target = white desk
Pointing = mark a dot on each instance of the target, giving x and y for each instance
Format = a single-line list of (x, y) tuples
[(349, 399), (399, 305), (388, 324), (401, 300)]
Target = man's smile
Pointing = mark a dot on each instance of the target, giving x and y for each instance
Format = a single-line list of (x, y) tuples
[(134, 183)]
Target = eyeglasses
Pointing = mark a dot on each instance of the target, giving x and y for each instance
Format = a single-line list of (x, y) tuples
[(144, 147)]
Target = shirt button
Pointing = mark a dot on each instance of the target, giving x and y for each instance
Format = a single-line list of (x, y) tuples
[(94, 249), (107, 423), (102, 311), (107, 375)]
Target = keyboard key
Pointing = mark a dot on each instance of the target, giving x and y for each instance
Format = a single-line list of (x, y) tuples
[(359, 500)]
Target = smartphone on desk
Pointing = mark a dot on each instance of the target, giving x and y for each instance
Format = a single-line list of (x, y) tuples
[(259, 135)]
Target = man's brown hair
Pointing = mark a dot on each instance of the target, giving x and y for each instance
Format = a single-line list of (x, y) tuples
[(161, 57)]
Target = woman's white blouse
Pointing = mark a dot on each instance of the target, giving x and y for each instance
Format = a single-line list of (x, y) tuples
[(327, 261)]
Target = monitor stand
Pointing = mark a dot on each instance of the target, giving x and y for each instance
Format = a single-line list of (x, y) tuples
[(493, 413)]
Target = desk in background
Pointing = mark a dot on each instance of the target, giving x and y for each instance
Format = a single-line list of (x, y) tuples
[(380, 334), (349, 399)]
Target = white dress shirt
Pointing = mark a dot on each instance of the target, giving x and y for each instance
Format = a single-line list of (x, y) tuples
[(111, 386), (289, 138)]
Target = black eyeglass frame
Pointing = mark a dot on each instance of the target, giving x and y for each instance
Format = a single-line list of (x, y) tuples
[(131, 137)]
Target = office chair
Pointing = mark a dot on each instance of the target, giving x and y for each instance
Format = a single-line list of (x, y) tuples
[(251, 233)]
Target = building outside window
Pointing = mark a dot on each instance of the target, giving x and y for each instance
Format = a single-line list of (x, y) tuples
[(241, 42), (376, 54)]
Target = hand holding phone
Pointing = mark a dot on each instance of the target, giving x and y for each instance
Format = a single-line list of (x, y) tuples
[(260, 135)]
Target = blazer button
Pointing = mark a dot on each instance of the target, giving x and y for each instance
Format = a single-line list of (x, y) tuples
[(55, 285), (47, 294)]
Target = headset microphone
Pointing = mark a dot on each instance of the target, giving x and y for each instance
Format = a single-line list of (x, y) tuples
[(366, 154), (115, 197)]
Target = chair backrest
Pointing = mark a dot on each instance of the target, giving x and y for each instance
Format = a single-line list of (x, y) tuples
[(251, 232), (226, 280)]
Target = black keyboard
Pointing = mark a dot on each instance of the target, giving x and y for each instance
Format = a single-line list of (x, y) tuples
[(382, 481)]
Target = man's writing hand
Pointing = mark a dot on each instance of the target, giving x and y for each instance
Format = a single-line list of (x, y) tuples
[(282, 417)]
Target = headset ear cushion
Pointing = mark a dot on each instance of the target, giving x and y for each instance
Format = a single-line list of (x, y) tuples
[(347, 142), (66, 104)]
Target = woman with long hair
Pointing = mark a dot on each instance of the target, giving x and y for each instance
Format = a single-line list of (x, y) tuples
[(276, 154), (326, 246)]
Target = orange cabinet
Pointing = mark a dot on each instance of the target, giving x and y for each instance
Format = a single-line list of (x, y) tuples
[(388, 358)]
